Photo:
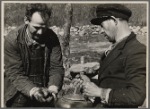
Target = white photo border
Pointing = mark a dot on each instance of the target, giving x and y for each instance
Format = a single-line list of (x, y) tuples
[(73, 2)]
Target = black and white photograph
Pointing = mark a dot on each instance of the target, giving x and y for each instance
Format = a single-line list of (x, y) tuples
[(74, 54)]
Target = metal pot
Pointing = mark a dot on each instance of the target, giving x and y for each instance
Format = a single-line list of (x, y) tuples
[(73, 101)]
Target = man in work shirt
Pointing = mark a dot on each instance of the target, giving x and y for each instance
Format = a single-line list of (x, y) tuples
[(33, 61)]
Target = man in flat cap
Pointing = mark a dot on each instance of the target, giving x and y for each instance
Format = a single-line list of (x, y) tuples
[(122, 75)]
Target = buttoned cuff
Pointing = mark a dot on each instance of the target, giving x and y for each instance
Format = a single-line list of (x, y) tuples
[(104, 95)]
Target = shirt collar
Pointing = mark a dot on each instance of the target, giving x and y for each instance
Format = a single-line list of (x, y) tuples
[(112, 46)]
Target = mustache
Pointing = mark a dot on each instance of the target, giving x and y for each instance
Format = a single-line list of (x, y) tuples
[(39, 38), (35, 34), (104, 34)]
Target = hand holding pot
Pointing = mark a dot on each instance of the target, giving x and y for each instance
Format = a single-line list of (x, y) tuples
[(41, 94)]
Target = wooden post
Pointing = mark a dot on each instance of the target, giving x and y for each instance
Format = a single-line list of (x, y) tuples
[(66, 36)]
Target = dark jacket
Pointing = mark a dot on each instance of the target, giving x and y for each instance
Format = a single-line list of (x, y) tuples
[(17, 63), (124, 71)]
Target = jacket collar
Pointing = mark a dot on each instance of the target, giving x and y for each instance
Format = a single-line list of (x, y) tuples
[(123, 43), (115, 52), (21, 34)]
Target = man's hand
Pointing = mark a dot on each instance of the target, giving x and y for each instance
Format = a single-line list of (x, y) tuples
[(41, 94), (84, 78), (91, 90), (87, 68), (48, 95), (53, 90)]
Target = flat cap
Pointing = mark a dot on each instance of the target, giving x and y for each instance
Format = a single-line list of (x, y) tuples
[(104, 11)]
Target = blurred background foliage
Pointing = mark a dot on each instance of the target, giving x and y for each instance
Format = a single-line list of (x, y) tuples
[(82, 14)]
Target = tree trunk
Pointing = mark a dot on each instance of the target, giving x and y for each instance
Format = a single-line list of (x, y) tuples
[(66, 36)]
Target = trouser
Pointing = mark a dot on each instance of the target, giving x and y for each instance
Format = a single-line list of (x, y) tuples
[(20, 100)]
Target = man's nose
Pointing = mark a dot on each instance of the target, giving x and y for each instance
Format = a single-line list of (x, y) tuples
[(39, 31), (102, 31)]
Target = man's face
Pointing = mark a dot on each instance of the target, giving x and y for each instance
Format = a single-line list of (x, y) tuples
[(37, 26), (109, 29)]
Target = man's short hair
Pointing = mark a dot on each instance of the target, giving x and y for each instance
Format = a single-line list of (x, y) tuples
[(41, 8)]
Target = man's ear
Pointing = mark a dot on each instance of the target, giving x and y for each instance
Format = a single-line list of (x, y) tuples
[(26, 20)]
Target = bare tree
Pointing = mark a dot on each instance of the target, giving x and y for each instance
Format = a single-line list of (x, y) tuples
[(66, 36)]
